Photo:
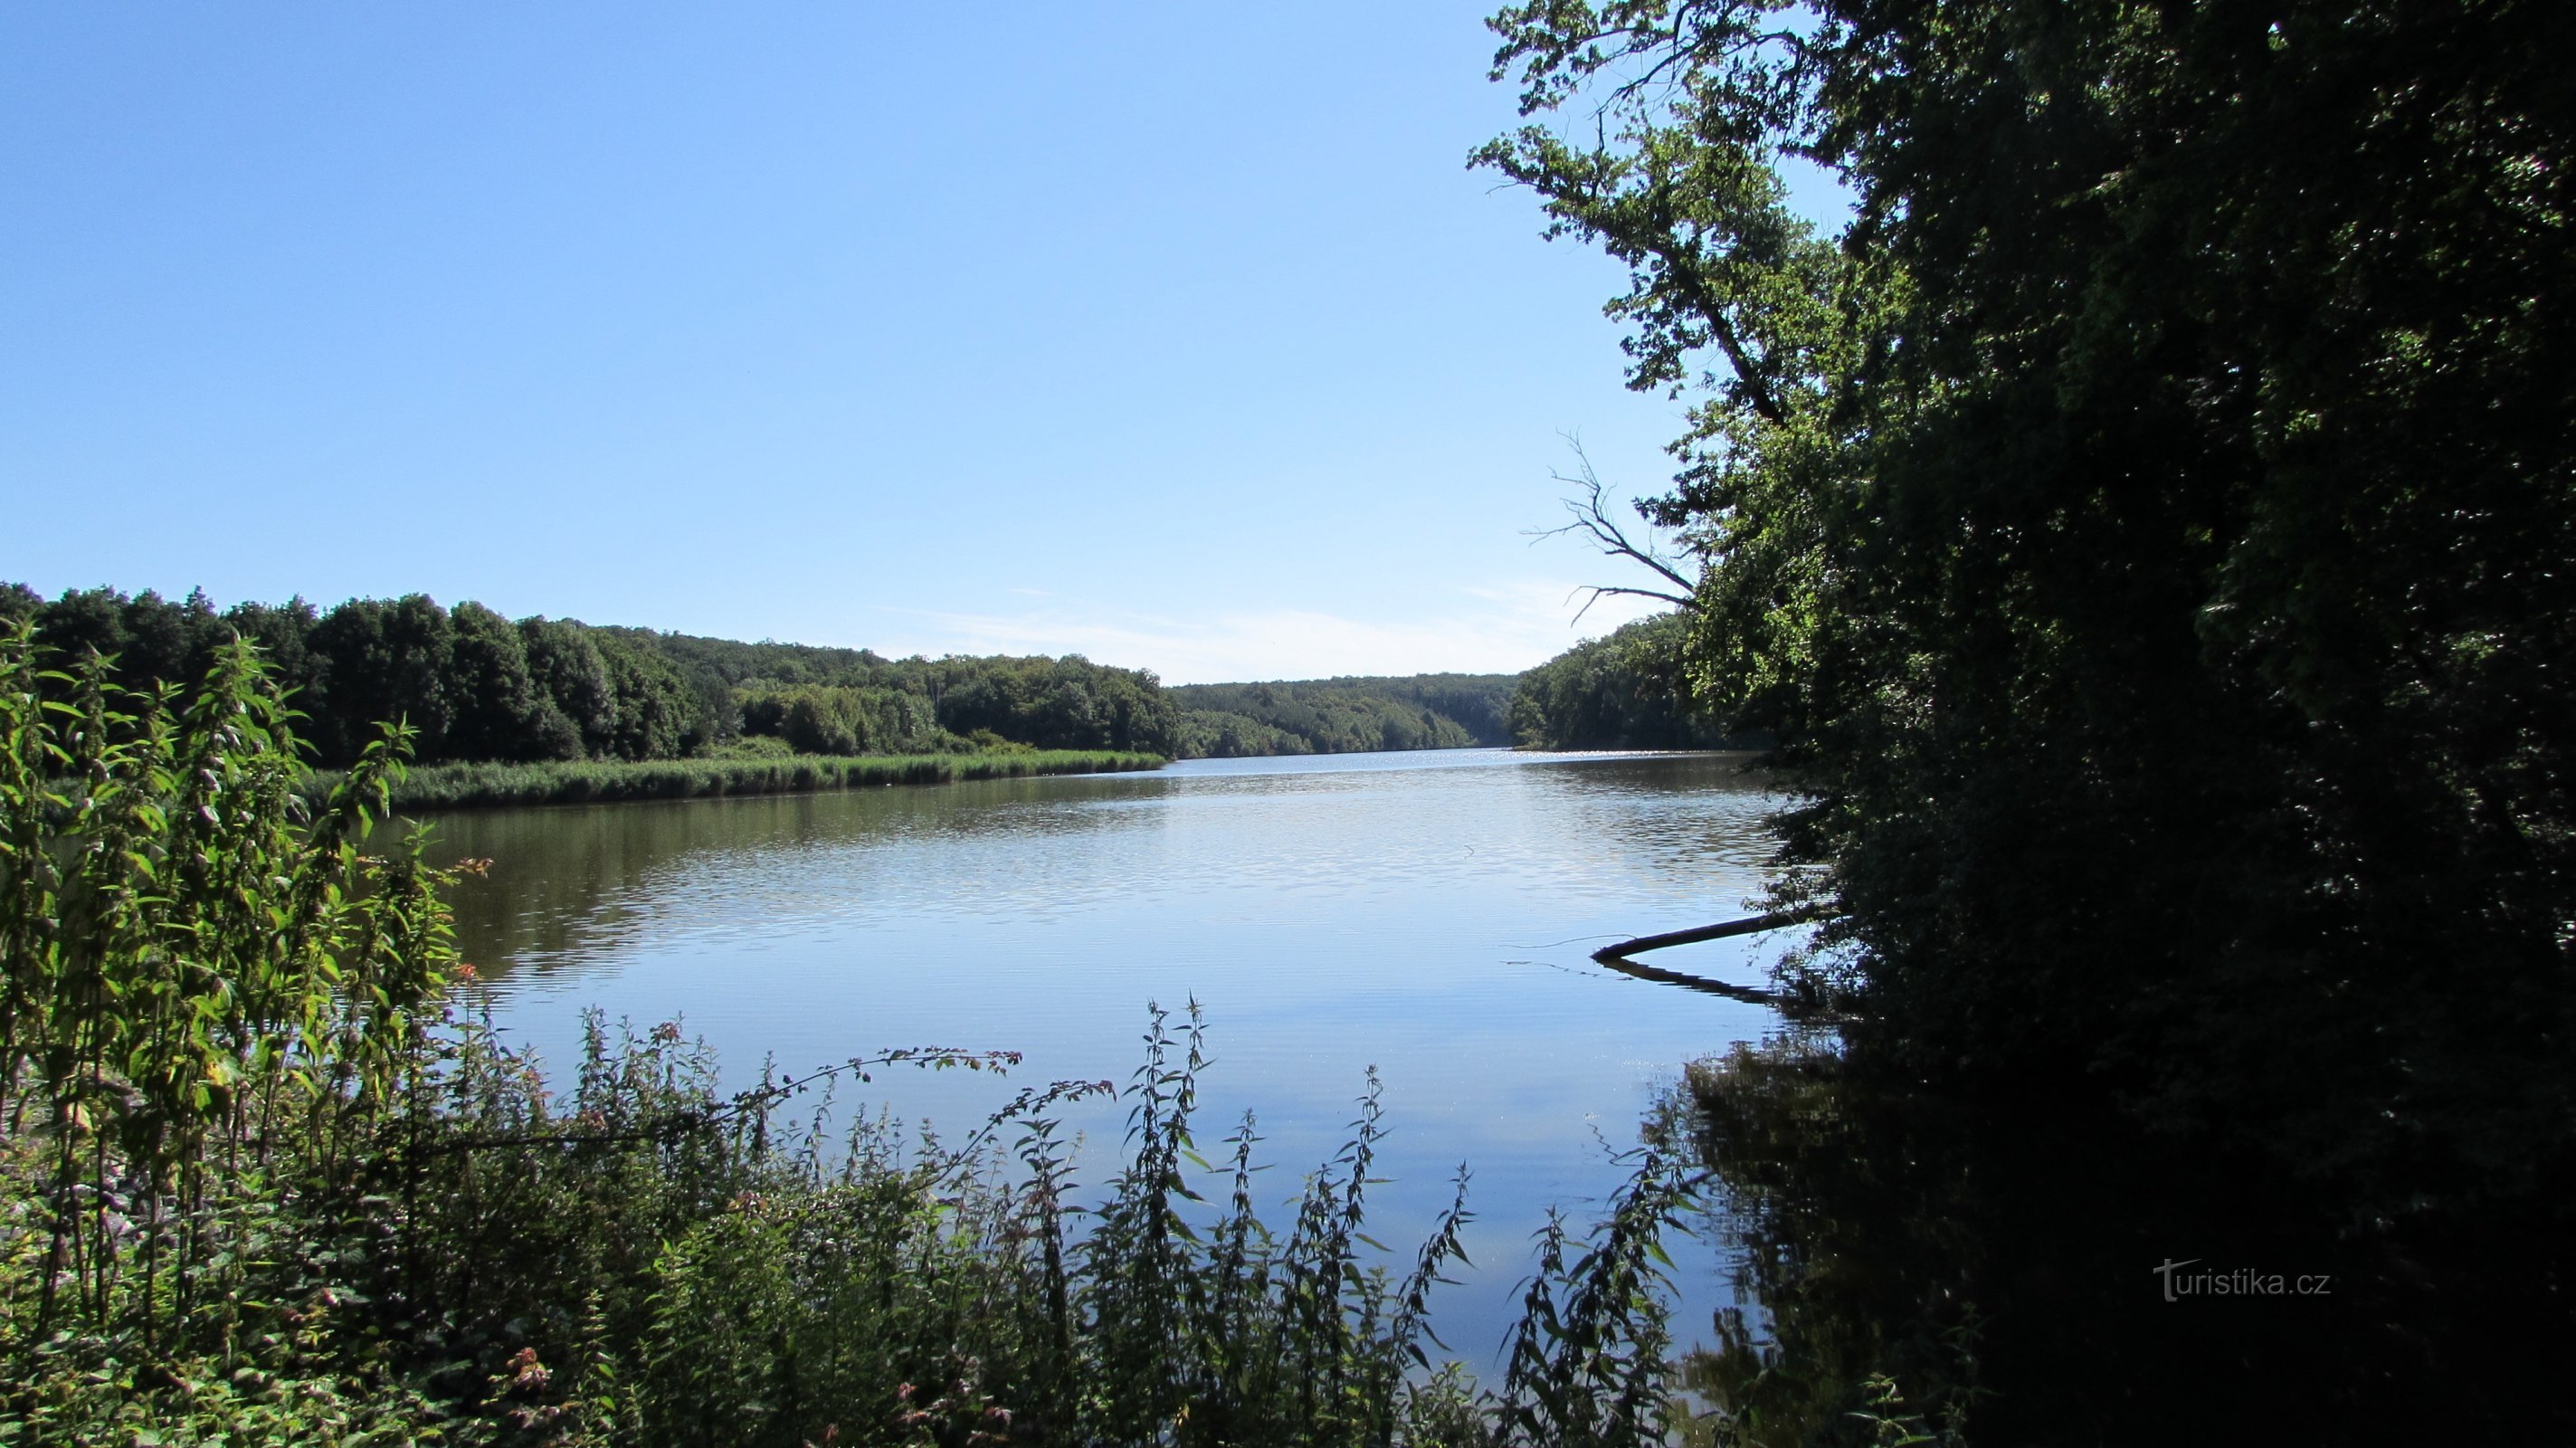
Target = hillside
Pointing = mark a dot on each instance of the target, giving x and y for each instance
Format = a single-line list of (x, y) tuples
[(477, 687), (1343, 715)]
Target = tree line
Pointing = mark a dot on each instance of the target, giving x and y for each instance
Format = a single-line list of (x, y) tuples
[(1344, 715), (476, 686), (1628, 690)]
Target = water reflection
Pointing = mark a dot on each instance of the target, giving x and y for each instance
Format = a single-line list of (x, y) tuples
[(1430, 915), (1998, 1262), (575, 883)]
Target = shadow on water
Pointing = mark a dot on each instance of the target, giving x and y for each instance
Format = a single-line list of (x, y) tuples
[(2032, 1271), (1705, 985), (574, 878)]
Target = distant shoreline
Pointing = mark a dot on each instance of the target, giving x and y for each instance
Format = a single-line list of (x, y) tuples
[(502, 785)]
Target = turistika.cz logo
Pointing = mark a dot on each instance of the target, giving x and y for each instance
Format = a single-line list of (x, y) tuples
[(2242, 1282)]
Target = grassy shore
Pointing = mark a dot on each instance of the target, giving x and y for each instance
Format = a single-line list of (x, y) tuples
[(489, 786)]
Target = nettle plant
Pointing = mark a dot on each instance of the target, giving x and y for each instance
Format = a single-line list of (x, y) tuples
[(205, 986)]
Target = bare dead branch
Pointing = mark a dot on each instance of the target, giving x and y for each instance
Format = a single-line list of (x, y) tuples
[(1594, 593), (1593, 521)]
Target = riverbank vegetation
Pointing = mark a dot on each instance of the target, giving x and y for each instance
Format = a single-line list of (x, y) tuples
[(2145, 529), (260, 1184), (493, 785), (1984, 1270), (569, 702)]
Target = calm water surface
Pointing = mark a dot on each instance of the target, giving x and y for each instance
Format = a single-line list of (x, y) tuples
[(1429, 914)]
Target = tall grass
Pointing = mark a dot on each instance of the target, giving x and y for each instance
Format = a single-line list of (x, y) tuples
[(489, 785), (259, 1186)]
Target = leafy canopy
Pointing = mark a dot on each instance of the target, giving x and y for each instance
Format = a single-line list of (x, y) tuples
[(2146, 524)]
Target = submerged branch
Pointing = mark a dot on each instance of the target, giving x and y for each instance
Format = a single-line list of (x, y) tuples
[(1750, 925)]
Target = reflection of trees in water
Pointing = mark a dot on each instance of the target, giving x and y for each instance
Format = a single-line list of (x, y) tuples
[(1996, 1262), (567, 879), (570, 881), (1709, 811)]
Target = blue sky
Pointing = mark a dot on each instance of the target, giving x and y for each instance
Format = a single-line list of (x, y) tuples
[(1175, 335)]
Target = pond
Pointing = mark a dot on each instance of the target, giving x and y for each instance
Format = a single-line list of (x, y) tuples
[(1430, 915)]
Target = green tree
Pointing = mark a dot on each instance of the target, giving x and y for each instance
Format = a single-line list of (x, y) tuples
[(830, 719), (382, 660), (84, 622), (656, 714), (1339, 716), (563, 663), (477, 687), (501, 713), (2146, 526), (1067, 703), (284, 634), (1630, 690)]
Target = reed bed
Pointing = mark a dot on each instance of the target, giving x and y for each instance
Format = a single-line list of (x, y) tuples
[(499, 785)]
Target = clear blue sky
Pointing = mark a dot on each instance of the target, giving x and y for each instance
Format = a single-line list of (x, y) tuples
[(1177, 335)]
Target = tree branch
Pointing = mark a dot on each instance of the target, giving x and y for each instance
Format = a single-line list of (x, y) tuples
[(1600, 591), (1592, 520), (1685, 275)]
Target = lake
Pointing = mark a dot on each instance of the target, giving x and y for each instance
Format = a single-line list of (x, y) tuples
[(1427, 914)]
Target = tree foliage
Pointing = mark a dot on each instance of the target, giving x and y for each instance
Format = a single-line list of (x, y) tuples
[(2146, 527), (1344, 715), (837, 719), (473, 686), (1629, 690), (1979, 1270)]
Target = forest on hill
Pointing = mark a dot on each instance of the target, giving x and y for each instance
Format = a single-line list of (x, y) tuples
[(480, 687), (1344, 715), (1628, 690)]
